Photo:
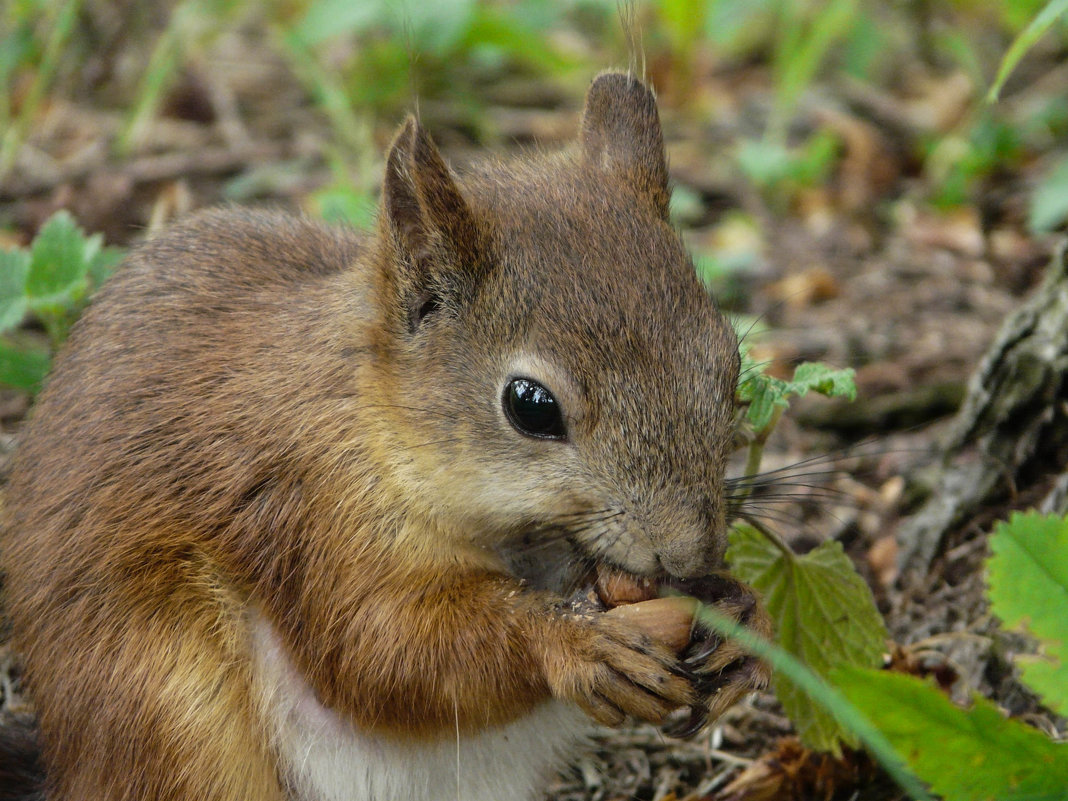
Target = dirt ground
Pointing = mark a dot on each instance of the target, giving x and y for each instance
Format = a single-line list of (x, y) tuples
[(859, 271)]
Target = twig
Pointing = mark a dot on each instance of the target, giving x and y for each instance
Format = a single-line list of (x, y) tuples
[(146, 169)]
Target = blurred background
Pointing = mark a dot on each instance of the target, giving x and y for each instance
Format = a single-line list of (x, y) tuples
[(125, 110), (839, 171), (847, 187)]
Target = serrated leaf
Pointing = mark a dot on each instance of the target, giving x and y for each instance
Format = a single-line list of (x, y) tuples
[(966, 755), (817, 688), (824, 380), (14, 267), (23, 368), (825, 616), (1028, 581), (59, 261)]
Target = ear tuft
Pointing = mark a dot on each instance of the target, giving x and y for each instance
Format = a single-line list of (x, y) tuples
[(621, 133), (400, 200), (437, 243)]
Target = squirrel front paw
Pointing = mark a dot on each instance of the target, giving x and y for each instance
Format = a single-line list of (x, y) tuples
[(611, 669), (724, 673)]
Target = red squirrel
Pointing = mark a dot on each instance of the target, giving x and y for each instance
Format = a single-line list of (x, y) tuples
[(303, 514)]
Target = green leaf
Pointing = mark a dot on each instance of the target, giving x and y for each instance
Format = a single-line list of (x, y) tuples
[(822, 693), (14, 267), (1024, 42), (1028, 578), (60, 257), (766, 163), (824, 380), (326, 19), (23, 368), (825, 614), (1049, 204), (492, 29), (764, 393), (438, 27), (103, 264), (966, 755), (344, 204), (686, 205)]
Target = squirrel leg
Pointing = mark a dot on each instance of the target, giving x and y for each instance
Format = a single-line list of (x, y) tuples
[(150, 699)]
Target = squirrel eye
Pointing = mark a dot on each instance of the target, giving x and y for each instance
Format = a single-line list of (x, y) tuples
[(532, 409)]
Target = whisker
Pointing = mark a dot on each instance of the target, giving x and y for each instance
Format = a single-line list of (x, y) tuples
[(445, 441)]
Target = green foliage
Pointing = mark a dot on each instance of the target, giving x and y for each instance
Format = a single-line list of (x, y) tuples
[(49, 282), (416, 48), (977, 754), (806, 34), (780, 171), (1054, 10), (191, 26), (1049, 204), (14, 269), (767, 395), (37, 47), (825, 695), (683, 23), (823, 611), (973, 754), (966, 755), (825, 617), (343, 203), (956, 163), (1028, 588)]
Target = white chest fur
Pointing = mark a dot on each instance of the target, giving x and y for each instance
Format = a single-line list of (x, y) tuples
[(326, 758)]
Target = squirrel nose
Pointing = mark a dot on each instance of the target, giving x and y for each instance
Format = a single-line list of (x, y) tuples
[(692, 555)]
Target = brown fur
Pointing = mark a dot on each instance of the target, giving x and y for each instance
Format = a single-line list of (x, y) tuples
[(261, 413)]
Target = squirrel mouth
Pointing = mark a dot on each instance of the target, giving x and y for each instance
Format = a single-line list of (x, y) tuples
[(616, 587)]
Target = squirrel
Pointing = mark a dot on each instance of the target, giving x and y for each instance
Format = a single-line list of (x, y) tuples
[(304, 514)]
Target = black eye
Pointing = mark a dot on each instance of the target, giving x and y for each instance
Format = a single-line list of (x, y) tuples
[(532, 409)]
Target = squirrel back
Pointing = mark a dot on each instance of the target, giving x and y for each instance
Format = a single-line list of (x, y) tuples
[(279, 499)]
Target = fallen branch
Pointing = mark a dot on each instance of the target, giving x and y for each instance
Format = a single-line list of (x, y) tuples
[(1013, 420)]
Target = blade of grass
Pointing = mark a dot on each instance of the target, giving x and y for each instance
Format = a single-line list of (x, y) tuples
[(1024, 42), (800, 52), (353, 131), (161, 69), (66, 15)]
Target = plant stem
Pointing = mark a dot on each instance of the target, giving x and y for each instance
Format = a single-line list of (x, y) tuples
[(771, 536), (756, 450)]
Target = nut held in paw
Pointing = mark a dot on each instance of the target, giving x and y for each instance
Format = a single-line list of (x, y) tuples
[(616, 588), (667, 620)]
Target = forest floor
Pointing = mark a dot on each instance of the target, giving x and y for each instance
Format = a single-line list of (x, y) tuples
[(860, 270)]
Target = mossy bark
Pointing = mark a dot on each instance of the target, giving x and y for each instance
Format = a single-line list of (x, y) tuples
[(1012, 429)]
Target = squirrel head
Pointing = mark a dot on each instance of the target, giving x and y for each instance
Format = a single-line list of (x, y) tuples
[(560, 373)]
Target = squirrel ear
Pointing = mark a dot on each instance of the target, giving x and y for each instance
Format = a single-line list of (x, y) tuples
[(431, 225), (621, 133)]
